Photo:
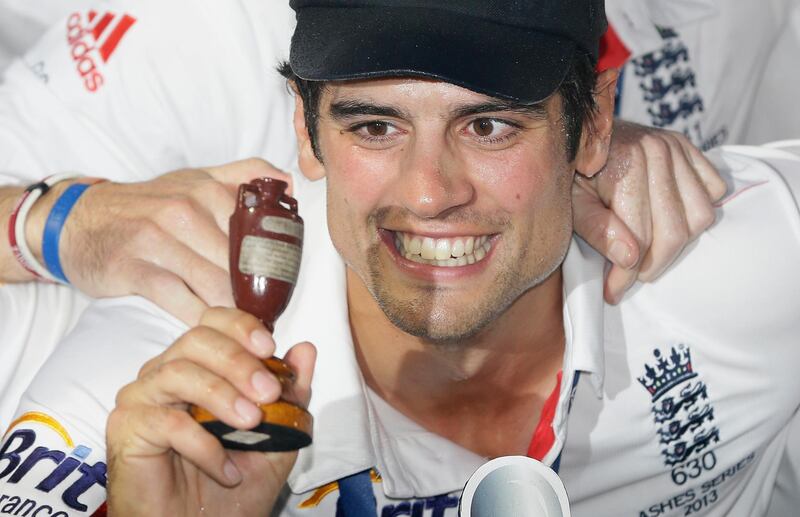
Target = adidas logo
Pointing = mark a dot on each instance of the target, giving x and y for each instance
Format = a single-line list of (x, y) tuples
[(93, 40)]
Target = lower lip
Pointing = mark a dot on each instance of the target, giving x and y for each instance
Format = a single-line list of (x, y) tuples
[(428, 271)]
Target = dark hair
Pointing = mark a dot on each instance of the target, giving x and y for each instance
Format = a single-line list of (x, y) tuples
[(576, 90)]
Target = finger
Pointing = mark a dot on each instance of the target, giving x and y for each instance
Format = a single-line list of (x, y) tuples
[(180, 382), (244, 171), (242, 327), (670, 232), (209, 282), (700, 212), (603, 230), (617, 282), (302, 358), (623, 186), (140, 432), (193, 224), (220, 355), (167, 290), (715, 186), (217, 200)]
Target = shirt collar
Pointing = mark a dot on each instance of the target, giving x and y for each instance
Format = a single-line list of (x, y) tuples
[(583, 312), (354, 430)]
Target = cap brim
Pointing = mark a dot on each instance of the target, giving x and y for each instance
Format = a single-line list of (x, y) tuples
[(497, 60)]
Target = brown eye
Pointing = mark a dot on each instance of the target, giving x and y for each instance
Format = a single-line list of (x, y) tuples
[(377, 128), (483, 127)]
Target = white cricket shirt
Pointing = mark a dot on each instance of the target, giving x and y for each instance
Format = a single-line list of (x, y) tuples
[(686, 403), (128, 91), (719, 71)]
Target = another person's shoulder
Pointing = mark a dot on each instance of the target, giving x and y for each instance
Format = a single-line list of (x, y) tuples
[(34, 317), (743, 270), (62, 415), (63, 412), (171, 38), (104, 351), (112, 339)]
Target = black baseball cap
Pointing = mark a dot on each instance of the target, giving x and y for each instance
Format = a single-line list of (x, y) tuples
[(511, 49)]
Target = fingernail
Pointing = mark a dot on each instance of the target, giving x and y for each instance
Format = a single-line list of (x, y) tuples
[(621, 254), (262, 342), (231, 472), (248, 411), (264, 384)]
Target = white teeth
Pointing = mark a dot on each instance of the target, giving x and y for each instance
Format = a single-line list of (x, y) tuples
[(442, 249), (416, 245), (428, 248), (458, 248), (469, 246), (453, 252)]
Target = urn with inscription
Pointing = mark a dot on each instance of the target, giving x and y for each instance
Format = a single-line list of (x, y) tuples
[(266, 239)]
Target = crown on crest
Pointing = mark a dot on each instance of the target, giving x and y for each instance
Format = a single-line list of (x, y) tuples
[(667, 372)]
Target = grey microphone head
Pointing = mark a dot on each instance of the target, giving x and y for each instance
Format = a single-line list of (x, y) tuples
[(515, 486)]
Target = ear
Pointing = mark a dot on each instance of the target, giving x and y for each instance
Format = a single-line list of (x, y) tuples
[(309, 165), (596, 134)]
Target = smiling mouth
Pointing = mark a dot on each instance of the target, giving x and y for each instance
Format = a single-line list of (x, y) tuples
[(448, 252)]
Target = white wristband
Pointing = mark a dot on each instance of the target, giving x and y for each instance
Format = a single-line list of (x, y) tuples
[(33, 195)]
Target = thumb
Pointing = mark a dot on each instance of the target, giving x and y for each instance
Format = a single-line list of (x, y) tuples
[(602, 229), (235, 173)]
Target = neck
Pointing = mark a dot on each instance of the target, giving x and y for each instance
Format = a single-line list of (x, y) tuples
[(497, 380)]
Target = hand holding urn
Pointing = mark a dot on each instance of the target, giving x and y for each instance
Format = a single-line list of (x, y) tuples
[(266, 238)]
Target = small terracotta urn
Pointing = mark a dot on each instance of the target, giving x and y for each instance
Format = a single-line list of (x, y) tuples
[(266, 239)]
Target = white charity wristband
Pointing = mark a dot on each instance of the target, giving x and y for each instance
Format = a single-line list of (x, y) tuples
[(22, 216)]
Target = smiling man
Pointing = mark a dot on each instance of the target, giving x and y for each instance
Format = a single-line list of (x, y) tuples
[(462, 319)]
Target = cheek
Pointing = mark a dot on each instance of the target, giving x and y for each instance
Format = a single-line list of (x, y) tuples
[(526, 178), (357, 175), (356, 186)]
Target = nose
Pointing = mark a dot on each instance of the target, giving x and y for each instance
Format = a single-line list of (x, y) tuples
[(434, 181)]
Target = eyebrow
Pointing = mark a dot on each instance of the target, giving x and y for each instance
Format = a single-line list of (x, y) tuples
[(342, 110), (533, 110)]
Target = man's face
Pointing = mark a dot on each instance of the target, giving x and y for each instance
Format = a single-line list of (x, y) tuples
[(446, 203)]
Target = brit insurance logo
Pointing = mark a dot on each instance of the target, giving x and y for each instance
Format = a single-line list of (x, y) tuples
[(93, 39), (683, 416), (38, 478)]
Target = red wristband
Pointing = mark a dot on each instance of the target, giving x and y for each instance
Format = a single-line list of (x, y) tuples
[(12, 232)]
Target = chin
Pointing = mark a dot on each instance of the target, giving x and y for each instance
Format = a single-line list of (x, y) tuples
[(437, 322)]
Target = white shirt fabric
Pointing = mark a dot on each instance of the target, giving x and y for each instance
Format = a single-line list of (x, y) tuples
[(720, 72), (193, 84), (730, 304), (22, 22), (188, 84)]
